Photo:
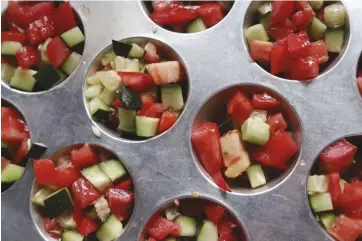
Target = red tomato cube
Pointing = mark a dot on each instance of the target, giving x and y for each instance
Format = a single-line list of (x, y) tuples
[(148, 97), (84, 156), (151, 55), (57, 52), (345, 229), (239, 108), (64, 18), (44, 170), (14, 36), (21, 151), (136, 80), (265, 102), (303, 6), (168, 119), (124, 185), (40, 30), (304, 68), (27, 57), (282, 29), (162, 227), (260, 50), (213, 212), (177, 15), (281, 10), (319, 50), (302, 19), (334, 187), (220, 181), (211, 13), (351, 200), (280, 57), (9, 112), (84, 193), (276, 123), (66, 175), (87, 226), (120, 202), (152, 110), (298, 44)]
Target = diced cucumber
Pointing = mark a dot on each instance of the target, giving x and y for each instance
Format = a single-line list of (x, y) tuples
[(94, 79), (265, 8), (195, 26), (146, 126), (321, 202), (110, 230), (46, 78), (58, 203), (97, 177), (136, 51), (11, 173), (265, 20), (172, 97), (66, 220), (7, 71), (256, 176), (208, 232), (73, 36), (238, 167), (23, 79), (110, 80), (129, 97), (259, 114), (316, 4), (231, 146), (71, 63), (327, 219), (40, 196), (10, 47), (107, 97), (71, 235), (335, 15), (172, 213), (126, 65), (107, 58), (127, 120), (317, 29), (96, 104), (255, 131), (334, 39), (113, 169), (188, 226), (101, 208), (43, 51), (317, 184), (256, 32), (93, 91)]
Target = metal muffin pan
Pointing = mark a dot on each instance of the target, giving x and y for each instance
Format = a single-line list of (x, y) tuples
[(164, 168)]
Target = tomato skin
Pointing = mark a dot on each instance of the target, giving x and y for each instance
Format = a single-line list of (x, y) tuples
[(14, 36), (44, 170), (351, 200), (211, 13), (148, 98), (136, 80), (52, 227), (303, 6), (260, 50), (205, 139), (40, 30), (21, 152), (281, 10), (167, 120), (265, 102), (302, 19), (84, 156), (176, 15), (66, 175), (78, 215), (319, 50), (226, 225), (214, 212), (120, 202), (298, 44), (153, 110), (276, 123), (151, 55), (64, 18), (334, 187), (117, 103), (57, 52), (84, 193), (159, 5), (239, 107), (303, 68), (4, 163), (345, 229), (220, 181), (162, 227), (337, 156), (280, 57), (8, 111), (282, 30), (27, 57), (359, 84), (124, 185), (87, 226)]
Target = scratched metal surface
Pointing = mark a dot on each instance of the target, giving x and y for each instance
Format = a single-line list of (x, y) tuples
[(163, 168)]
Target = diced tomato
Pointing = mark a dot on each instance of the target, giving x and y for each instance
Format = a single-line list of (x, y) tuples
[(9, 112), (175, 16), (12, 135), (280, 57), (84, 193), (52, 227), (136, 80), (226, 226), (117, 103), (153, 110), (282, 30), (57, 52), (21, 152), (302, 19), (351, 200), (162, 227), (281, 10), (334, 187), (345, 229), (44, 170), (304, 68), (87, 226), (359, 84), (27, 57), (167, 72), (18, 14), (277, 151), (337, 156), (10, 122), (64, 18), (120, 202), (151, 238), (40, 10), (159, 5), (211, 13), (205, 139), (220, 181), (148, 98), (303, 6), (167, 120), (151, 55), (298, 44), (124, 185), (265, 102), (192, 208), (4, 163), (260, 50), (14, 36), (319, 50), (40, 30), (276, 123), (83, 156), (78, 215), (239, 108), (213, 212), (66, 175)]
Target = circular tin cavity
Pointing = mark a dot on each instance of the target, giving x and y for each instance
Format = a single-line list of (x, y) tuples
[(252, 17), (110, 127), (359, 75), (349, 175), (123, 184), (11, 60), (15, 153), (215, 110), (194, 208), (199, 24)]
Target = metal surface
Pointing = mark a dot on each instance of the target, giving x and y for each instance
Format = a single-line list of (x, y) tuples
[(163, 168)]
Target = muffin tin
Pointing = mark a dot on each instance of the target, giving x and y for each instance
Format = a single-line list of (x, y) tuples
[(164, 168)]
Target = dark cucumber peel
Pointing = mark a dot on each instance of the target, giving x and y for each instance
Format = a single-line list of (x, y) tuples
[(35, 152), (129, 98), (120, 48), (46, 78)]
